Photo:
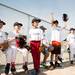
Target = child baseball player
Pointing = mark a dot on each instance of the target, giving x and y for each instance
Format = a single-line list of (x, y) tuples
[(36, 36), (71, 43), (11, 51), (56, 43), (3, 37), (48, 48)]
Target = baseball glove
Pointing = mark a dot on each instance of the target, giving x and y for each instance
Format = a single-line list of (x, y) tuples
[(4, 46), (41, 48)]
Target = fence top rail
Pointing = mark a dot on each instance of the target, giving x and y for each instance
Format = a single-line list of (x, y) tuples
[(21, 12)]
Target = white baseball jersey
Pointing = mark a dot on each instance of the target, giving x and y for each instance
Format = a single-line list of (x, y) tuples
[(36, 34), (56, 34), (11, 51), (3, 36), (11, 36), (71, 40)]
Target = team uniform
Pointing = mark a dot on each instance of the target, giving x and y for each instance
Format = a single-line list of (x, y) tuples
[(56, 43), (3, 38), (71, 40), (56, 36), (24, 52), (11, 53), (45, 42), (36, 36)]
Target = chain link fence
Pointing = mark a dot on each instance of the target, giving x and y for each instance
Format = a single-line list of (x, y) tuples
[(11, 15)]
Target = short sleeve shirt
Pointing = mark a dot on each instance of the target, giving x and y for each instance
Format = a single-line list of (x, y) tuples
[(36, 34)]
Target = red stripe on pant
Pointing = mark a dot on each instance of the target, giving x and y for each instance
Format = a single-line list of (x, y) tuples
[(35, 54)]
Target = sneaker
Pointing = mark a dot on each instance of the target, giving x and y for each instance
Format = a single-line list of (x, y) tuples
[(43, 64)]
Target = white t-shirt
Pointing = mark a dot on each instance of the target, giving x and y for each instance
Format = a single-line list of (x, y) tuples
[(56, 34), (71, 40), (3, 36), (36, 34)]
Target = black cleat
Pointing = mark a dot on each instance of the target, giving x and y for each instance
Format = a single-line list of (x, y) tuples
[(25, 68), (57, 65), (71, 62), (13, 70), (7, 68), (51, 67)]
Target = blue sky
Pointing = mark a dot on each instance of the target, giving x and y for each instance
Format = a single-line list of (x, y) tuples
[(43, 8)]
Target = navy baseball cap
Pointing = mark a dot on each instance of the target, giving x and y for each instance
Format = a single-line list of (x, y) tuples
[(18, 24), (36, 20), (2, 22)]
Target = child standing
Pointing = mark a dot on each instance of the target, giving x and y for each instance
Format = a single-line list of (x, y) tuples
[(3, 37), (11, 51), (36, 36), (47, 48), (71, 42), (56, 43)]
